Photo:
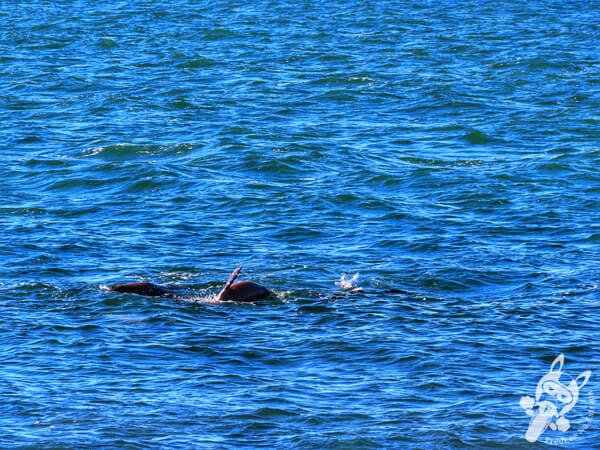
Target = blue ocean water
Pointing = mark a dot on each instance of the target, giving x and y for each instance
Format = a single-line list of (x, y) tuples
[(449, 150)]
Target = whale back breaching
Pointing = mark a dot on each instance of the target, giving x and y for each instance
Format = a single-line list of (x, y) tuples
[(244, 291)]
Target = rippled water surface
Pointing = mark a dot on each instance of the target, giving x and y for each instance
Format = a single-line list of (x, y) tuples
[(448, 152)]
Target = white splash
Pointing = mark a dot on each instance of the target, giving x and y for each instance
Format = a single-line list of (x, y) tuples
[(205, 299), (348, 283)]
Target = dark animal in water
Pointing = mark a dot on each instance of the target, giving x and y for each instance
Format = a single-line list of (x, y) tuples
[(244, 291), (141, 288)]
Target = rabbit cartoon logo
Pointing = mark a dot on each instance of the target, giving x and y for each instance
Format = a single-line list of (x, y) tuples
[(553, 400)]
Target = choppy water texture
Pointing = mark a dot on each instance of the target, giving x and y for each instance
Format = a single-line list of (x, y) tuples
[(448, 149)]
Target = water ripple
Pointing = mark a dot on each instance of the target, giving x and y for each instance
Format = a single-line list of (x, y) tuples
[(447, 154)]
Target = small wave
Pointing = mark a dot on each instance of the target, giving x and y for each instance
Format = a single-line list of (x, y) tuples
[(477, 138), (107, 42), (181, 103), (197, 63), (219, 34), (128, 151), (343, 80)]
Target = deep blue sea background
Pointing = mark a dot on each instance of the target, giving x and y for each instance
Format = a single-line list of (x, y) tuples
[(447, 149)]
